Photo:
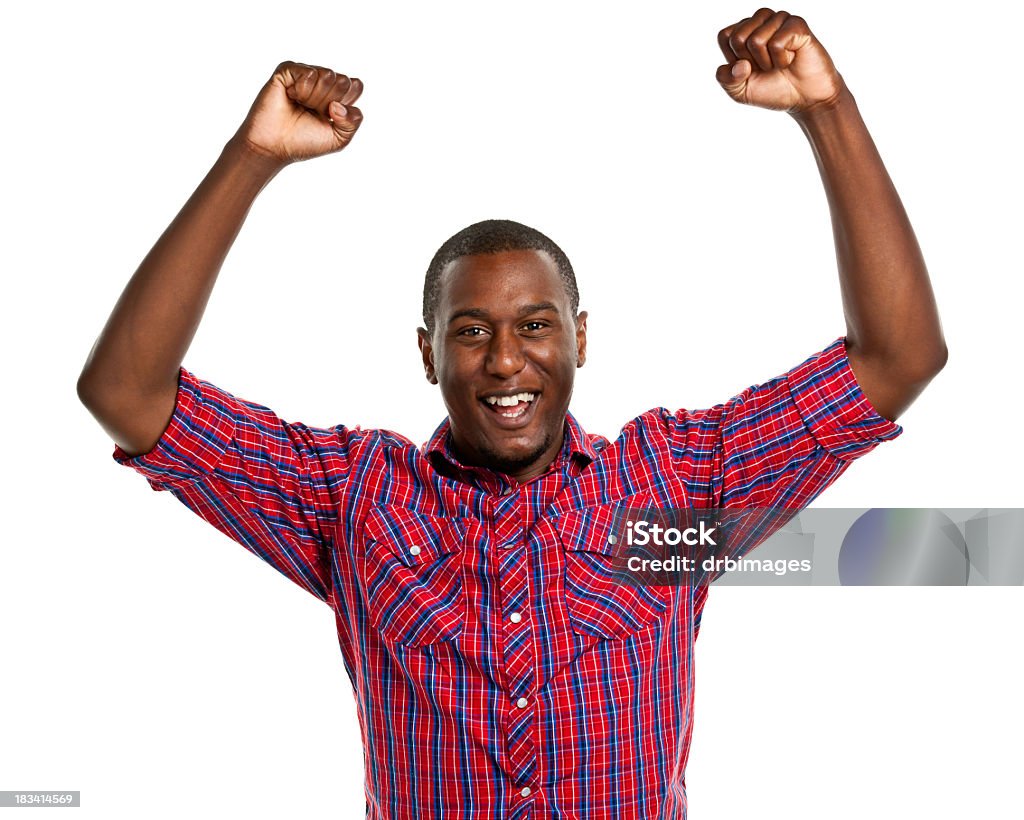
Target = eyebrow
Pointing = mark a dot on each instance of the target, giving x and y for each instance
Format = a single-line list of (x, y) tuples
[(480, 313)]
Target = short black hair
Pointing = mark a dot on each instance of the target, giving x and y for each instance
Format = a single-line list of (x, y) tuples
[(493, 236)]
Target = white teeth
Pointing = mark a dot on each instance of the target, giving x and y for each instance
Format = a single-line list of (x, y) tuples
[(512, 414), (509, 401)]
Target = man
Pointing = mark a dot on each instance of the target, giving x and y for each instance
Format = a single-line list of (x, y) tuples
[(499, 668)]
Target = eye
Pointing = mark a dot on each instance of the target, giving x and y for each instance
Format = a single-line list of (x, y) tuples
[(535, 325), (471, 332)]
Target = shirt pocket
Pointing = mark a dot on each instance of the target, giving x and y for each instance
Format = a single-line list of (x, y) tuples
[(600, 600), (413, 574)]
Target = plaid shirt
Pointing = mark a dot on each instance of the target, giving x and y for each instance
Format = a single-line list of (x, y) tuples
[(500, 670)]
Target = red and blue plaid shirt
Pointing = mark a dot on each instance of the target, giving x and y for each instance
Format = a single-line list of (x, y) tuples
[(499, 668)]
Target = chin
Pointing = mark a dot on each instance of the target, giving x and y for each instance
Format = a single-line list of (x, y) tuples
[(515, 459)]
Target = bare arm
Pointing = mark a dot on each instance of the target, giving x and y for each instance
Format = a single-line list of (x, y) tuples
[(129, 382), (894, 339)]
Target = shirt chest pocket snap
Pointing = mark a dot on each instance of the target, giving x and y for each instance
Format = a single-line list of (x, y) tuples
[(412, 568), (598, 595)]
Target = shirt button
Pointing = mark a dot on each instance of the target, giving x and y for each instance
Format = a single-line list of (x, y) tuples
[(515, 617), (414, 550), (612, 539), (522, 703), (525, 791)]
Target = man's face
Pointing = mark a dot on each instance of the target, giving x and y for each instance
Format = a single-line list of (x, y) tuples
[(503, 328)]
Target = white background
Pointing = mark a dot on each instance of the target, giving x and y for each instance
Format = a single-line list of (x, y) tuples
[(156, 666)]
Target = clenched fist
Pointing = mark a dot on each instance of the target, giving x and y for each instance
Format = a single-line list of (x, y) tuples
[(773, 61), (303, 111)]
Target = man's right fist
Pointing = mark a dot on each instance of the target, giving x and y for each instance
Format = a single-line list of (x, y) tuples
[(303, 111)]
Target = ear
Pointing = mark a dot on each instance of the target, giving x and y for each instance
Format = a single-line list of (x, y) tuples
[(581, 338), (427, 352)]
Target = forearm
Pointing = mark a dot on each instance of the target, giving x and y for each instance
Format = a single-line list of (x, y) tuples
[(890, 309), (129, 381)]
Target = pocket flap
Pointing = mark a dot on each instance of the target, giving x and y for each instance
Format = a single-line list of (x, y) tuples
[(416, 538), (600, 599), (600, 529)]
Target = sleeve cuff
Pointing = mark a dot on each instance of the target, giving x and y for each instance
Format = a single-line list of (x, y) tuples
[(834, 408), (200, 429)]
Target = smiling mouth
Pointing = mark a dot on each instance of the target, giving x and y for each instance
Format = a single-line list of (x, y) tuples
[(511, 408)]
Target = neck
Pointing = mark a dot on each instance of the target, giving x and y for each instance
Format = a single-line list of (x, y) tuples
[(523, 469)]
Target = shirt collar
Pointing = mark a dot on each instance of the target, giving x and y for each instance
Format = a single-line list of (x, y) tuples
[(576, 442)]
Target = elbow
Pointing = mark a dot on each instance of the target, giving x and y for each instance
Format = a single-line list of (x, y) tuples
[(930, 364), (918, 356), (89, 386), (86, 389), (911, 362), (93, 392), (921, 368), (917, 372)]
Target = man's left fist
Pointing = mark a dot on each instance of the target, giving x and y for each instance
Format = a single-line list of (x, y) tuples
[(773, 61)]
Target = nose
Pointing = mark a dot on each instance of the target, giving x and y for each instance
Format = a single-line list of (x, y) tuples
[(505, 357)]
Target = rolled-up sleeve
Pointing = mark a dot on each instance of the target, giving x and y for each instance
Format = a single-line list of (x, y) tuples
[(270, 485), (834, 408), (781, 443), (200, 430)]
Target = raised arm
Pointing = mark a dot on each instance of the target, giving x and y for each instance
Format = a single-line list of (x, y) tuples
[(130, 380), (893, 336)]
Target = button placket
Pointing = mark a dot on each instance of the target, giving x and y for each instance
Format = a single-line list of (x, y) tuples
[(518, 647)]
